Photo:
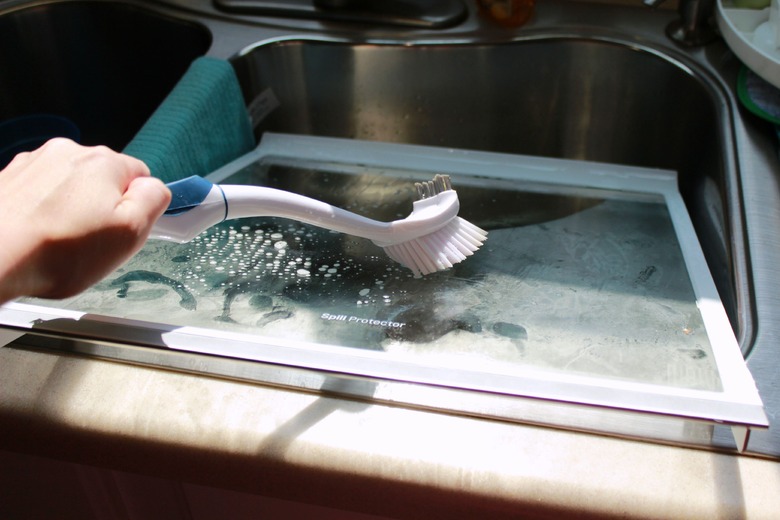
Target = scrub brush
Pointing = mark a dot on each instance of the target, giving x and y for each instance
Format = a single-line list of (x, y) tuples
[(432, 238)]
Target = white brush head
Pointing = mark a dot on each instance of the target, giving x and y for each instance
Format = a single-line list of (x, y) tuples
[(443, 248)]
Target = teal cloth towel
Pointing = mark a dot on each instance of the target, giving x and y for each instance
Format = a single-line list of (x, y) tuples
[(200, 126)]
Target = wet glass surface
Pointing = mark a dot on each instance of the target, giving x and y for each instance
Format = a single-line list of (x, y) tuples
[(569, 282)]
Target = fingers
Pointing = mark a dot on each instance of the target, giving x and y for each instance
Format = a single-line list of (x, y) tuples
[(124, 168), (135, 167), (111, 188), (146, 198)]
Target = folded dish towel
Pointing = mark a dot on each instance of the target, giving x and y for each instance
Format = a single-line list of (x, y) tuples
[(202, 124)]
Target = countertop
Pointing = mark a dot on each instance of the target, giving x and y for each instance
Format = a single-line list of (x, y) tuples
[(353, 456)]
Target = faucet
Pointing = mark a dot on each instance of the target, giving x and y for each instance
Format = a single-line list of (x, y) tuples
[(405, 13), (693, 27), (419, 13)]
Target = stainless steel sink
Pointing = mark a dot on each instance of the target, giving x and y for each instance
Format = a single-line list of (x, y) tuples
[(105, 66), (592, 99)]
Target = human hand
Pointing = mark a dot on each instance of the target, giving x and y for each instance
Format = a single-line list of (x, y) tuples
[(69, 215)]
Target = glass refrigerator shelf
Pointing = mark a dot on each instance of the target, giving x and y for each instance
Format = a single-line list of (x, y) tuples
[(591, 294)]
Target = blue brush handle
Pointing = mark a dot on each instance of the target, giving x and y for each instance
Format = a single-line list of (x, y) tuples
[(196, 205), (187, 194)]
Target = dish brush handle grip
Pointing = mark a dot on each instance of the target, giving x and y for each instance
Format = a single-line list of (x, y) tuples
[(196, 205)]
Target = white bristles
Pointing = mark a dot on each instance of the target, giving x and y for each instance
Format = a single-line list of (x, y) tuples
[(439, 250)]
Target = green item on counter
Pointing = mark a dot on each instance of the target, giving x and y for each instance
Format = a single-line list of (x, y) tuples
[(200, 126), (758, 95)]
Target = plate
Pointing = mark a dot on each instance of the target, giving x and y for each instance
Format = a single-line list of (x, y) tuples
[(749, 36)]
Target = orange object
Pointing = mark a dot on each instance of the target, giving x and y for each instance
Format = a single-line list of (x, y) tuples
[(509, 13)]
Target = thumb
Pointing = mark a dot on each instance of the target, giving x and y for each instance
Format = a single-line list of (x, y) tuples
[(146, 198)]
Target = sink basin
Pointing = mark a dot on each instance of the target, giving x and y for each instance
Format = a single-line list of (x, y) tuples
[(90, 62), (560, 97), (566, 93)]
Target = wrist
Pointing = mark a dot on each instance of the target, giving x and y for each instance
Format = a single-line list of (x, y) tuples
[(16, 268)]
